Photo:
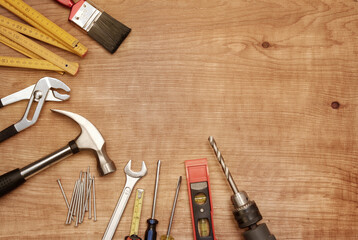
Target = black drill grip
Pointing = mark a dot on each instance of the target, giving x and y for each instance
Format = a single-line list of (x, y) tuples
[(260, 232), (8, 133), (11, 180)]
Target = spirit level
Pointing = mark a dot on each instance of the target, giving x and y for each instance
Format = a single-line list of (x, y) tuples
[(197, 174)]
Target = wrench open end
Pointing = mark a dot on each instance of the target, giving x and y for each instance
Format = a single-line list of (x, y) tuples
[(131, 173)]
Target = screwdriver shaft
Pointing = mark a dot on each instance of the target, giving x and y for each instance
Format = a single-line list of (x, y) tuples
[(151, 232), (174, 205), (223, 165), (155, 190)]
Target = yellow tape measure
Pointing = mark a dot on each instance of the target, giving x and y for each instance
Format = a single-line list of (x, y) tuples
[(28, 63), (62, 63), (38, 22), (44, 22), (136, 212)]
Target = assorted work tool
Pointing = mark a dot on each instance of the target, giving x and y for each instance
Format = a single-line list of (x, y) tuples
[(81, 199), (63, 64), (89, 139), (110, 33), (100, 26), (131, 179), (12, 34), (201, 205), (246, 212), (133, 235), (40, 92), (151, 232), (168, 237), (43, 24), (34, 33)]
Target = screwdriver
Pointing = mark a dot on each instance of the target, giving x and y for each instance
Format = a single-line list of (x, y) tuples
[(168, 237), (246, 212), (151, 232)]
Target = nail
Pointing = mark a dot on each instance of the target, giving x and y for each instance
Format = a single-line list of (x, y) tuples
[(94, 200), (63, 193), (70, 210)]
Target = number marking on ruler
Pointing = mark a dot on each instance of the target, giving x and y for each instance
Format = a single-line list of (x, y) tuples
[(65, 65), (44, 22), (18, 47), (79, 50), (28, 63), (31, 32)]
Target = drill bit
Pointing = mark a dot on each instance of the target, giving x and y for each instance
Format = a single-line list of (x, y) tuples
[(223, 165)]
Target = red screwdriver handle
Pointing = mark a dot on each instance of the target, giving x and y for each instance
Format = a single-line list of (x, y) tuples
[(67, 3)]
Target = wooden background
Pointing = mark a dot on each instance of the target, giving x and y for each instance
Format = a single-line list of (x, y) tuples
[(258, 75)]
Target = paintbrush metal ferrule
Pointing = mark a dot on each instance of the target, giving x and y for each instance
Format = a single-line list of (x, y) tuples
[(99, 25), (84, 15)]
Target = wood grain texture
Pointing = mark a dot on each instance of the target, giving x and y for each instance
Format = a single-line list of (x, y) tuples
[(258, 75)]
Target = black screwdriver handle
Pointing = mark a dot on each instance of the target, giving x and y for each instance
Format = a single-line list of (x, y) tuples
[(151, 232), (1, 104), (11, 180), (8, 133)]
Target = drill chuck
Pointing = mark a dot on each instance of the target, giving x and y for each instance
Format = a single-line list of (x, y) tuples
[(247, 216)]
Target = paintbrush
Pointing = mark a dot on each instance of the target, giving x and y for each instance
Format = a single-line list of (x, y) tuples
[(100, 26)]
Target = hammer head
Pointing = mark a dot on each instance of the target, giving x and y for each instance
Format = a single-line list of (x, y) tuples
[(90, 138)]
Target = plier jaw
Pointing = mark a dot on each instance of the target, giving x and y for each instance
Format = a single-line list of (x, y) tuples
[(40, 92)]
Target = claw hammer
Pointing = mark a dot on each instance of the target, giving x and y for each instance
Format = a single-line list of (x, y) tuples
[(90, 138)]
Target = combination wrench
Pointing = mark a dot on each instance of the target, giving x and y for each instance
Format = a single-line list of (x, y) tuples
[(131, 179)]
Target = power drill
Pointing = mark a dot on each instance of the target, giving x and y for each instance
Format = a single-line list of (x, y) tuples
[(246, 212)]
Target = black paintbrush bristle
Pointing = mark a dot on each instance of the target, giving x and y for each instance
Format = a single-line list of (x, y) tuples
[(108, 32)]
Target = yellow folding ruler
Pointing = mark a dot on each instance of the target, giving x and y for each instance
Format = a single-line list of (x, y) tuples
[(44, 22), (40, 51), (35, 63), (39, 21), (28, 63), (31, 32), (44, 30)]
